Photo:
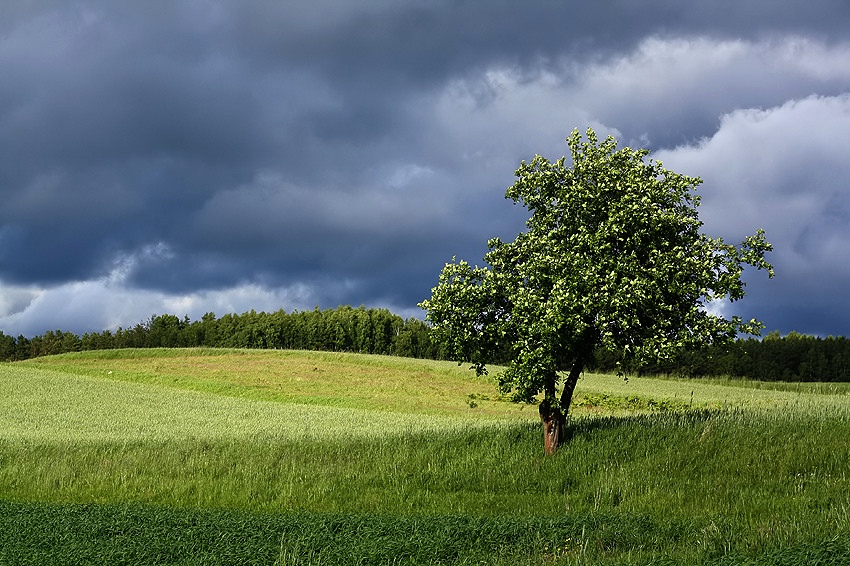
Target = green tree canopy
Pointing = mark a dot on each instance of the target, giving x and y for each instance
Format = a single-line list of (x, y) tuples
[(613, 256)]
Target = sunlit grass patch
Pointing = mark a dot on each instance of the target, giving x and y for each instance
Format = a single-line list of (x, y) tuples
[(653, 393), (49, 407), (321, 378)]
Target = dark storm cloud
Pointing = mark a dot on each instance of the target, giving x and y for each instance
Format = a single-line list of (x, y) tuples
[(339, 152)]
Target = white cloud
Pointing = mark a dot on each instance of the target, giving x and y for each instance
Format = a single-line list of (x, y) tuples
[(93, 306), (777, 159), (484, 125), (666, 89), (784, 169), (109, 302), (15, 299), (677, 84)]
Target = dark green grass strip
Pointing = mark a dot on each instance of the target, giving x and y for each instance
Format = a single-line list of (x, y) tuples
[(94, 534), (59, 534)]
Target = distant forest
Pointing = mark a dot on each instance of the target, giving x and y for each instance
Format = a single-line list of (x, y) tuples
[(345, 329), (794, 357)]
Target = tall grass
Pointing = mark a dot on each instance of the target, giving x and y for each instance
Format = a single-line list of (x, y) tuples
[(744, 480), (703, 464), (103, 467)]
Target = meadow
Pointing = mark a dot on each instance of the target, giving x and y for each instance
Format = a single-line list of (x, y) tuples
[(213, 456)]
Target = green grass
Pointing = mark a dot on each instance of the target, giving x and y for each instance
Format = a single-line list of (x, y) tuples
[(56, 407), (225, 457), (382, 383), (814, 387)]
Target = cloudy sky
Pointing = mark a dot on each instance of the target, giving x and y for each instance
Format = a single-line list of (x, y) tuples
[(190, 156)]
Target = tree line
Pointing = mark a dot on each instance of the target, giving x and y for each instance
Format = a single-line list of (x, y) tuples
[(344, 329), (794, 357)]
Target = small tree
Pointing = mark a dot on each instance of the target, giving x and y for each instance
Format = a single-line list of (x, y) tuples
[(613, 256)]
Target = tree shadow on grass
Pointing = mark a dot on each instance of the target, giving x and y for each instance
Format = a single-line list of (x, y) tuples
[(586, 426)]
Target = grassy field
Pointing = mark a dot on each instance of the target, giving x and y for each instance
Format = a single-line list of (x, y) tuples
[(268, 457)]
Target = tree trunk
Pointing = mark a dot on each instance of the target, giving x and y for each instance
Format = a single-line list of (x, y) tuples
[(570, 386), (554, 426), (555, 418)]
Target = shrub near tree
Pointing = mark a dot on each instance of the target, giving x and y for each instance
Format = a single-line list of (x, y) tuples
[(613, 257)]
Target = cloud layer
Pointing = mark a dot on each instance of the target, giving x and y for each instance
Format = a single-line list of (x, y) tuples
[(197, 156)]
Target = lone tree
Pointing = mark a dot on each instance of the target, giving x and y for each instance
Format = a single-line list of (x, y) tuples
[(613, 256)]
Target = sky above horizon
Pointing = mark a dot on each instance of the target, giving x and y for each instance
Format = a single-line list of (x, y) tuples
[(195, 156)]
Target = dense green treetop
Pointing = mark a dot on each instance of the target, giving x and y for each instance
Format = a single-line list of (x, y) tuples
[(613, 256)]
